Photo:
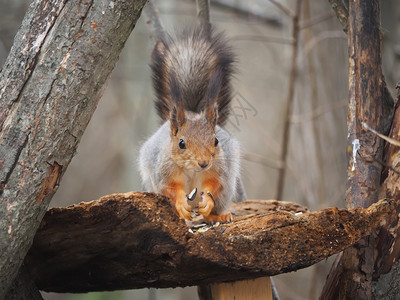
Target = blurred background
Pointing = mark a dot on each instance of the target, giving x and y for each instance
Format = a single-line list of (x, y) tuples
[(262, 35)]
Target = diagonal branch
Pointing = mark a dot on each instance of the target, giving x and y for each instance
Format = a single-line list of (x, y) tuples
[(153, 20), (49, 89)]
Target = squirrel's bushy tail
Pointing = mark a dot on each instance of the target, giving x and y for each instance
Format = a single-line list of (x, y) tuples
[(194, 71)]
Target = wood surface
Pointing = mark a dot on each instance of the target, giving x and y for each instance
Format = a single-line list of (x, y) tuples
[(134, 240)]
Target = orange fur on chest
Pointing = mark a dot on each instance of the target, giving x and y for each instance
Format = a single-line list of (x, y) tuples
[(211, 184), (174, 188)]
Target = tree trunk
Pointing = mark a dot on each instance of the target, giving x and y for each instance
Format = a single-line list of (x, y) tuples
[(23, 287), (49, 88), (352, 273)]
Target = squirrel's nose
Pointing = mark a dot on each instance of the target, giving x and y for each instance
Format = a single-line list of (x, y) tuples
[(203, 164)]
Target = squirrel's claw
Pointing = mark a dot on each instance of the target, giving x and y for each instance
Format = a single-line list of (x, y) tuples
[(183, 210), (206, 205), (219, 218)]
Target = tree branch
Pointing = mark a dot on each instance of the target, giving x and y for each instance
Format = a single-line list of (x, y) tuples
[(153, 20), (134, 240), (203, 14), (341, 8), (49, 88), (290, 97)]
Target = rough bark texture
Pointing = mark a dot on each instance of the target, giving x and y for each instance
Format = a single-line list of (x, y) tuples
[(23, 287), (366, 105), (134, 240), (388, 241), (351, 275), (49, 88), (388, 285)]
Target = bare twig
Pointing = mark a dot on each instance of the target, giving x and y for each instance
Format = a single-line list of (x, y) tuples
[(153, 20), (319, 166), (386, 138), (283, 8), (263, 38), (270, 163), (290, 99), (334, 34), (250, 12), (203, 14), (317, 20), (318, 112)]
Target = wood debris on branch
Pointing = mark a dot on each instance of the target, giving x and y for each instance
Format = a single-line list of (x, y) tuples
[(134, 240)]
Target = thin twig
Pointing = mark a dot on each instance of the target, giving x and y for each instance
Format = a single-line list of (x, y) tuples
[(283, 8), (333, 34), (151, 14), (374, 159), (203, 14), (269, 163), (263, 38), (318, 112), (319, 166), (249, 12), (384, 137), (317, 20), (289, 100)]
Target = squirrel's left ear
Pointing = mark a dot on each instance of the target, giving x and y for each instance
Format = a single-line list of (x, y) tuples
[(178, 119), (214, 87), (212, 114)]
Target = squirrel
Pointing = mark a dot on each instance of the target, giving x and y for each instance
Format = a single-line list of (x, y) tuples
[(191, 77)]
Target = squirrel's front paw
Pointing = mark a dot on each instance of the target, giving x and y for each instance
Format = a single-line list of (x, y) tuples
[(183, 209), (207, 204)]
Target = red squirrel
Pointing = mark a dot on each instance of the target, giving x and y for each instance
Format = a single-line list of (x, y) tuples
[(191, 77)]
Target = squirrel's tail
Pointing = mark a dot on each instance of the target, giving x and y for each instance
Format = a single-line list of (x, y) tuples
[(194, 71)]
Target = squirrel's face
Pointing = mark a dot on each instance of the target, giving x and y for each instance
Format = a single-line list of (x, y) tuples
[(193, 140)]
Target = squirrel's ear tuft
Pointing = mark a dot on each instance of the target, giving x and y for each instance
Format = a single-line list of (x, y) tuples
[(159, 50), (177, 119), (212, 114), (214, 87)]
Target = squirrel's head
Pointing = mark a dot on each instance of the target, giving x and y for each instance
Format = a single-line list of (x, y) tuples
[(193, 138)]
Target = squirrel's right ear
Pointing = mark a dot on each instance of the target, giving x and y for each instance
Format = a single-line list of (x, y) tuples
[(177, 119)]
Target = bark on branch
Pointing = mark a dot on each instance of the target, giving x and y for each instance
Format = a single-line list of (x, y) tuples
[(134, 240), (49, 88)]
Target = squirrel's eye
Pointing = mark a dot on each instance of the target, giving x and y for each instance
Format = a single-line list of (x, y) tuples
[(182, 144), (216, 142)]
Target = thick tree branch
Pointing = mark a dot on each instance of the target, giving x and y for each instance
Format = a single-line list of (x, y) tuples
[(49, 88), (134, 240)]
